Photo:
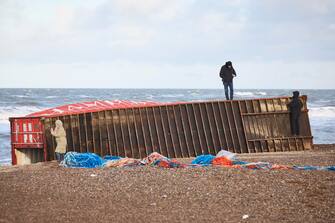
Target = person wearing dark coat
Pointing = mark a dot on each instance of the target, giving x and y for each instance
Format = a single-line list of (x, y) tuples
[(227, 73), (295, 107)]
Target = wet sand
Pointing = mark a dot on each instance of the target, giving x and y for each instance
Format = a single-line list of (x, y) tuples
[(45, 192)]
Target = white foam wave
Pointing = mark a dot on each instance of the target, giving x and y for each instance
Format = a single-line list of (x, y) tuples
[(244, 93), (52, 96), (322, 112), (5, 161), (84, 96), (193, 92), (249, 93), (150, 97), (172, 95), (16, 111)]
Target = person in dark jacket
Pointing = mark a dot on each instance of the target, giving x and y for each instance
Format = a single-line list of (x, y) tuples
[(295, 107), (227, 73)]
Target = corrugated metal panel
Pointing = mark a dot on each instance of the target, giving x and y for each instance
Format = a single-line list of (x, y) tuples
[(185, 129)]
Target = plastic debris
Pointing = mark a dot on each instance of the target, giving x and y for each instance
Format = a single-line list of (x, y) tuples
[(331, 168), (223, 158), (156, 159), (228, 159), (109, 157), (153, 158), (123, 162), (82, 160), (169, 164), (203, 159), (227, 154), (222, 161), (245, 216)]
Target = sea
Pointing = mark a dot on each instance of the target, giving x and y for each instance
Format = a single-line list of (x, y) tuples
[(20, 102)]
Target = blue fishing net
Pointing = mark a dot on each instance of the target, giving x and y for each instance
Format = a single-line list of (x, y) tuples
[(331, 168), (91, 160), (203, 159), (82, 160)]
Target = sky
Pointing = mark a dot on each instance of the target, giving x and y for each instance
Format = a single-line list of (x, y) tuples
[(286, 44)]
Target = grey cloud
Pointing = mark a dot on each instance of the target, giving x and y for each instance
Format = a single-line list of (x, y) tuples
[(178, 34)]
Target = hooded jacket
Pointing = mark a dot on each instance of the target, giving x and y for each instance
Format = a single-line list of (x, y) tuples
[(227, 74), (60, 135)]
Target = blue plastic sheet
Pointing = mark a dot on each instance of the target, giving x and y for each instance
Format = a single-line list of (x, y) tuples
[(82, 160), (91, 160), (331, 168), (203, 160)]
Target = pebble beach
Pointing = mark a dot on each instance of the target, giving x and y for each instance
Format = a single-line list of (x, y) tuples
[(46, 192)]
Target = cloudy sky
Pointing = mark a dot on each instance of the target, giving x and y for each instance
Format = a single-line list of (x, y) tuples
[(167, 44)]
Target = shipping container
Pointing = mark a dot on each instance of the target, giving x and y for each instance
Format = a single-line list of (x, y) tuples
[(176, 130)]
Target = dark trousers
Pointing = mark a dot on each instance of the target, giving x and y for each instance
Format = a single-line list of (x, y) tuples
[(59, 157), (295, 128), (231, 89)]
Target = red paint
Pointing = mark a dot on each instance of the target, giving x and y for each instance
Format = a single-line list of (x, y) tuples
[(94, 106), (28, 131), (25, 133)]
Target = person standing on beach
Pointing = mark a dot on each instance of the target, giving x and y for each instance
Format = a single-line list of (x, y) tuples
[(295, 107), (60, 135), (227, 73)]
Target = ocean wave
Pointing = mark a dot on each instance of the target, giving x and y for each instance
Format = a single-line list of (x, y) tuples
[(321, 103), (16, 111), (322, 112), (5, 161), (250, 93), (21, 96), (172, 95), (84, 96), (52, 96), (27, 103), (195, 94), (239, 93), (150, 97), (5, 133)]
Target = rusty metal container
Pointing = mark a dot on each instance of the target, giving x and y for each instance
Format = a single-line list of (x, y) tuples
[(183, 129)]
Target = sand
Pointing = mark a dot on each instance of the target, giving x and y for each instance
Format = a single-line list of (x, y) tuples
[(45, 192)]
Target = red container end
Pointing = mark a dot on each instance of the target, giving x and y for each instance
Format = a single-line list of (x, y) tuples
[(26, 133)]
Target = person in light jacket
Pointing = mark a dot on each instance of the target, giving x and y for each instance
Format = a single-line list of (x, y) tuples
[(60, 135)]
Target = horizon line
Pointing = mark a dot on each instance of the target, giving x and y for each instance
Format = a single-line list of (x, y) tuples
[(120, 88)]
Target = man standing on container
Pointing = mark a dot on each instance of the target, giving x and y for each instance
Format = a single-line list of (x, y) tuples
[(295, 107), (227, 73)]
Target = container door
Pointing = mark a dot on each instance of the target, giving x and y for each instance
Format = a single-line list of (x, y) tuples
[(27, 140)]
